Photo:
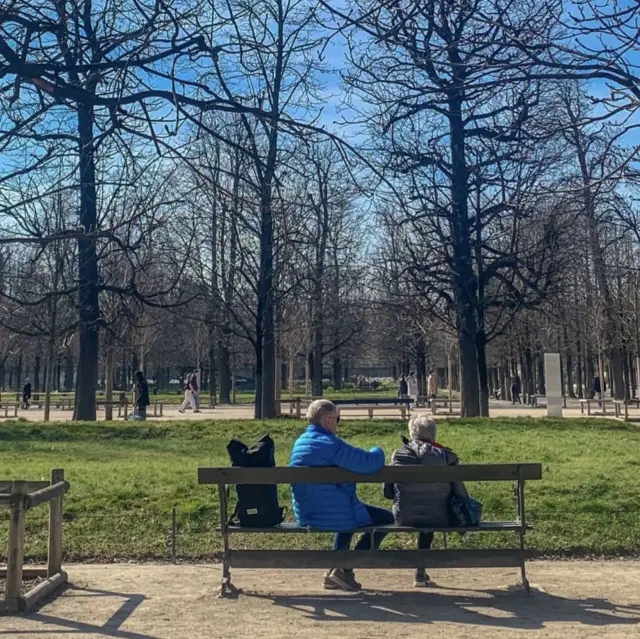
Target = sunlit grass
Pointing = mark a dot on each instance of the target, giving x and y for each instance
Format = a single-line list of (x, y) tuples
[(126, 478)]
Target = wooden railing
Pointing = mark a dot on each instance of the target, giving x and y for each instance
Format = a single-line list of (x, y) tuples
[(20, 497)]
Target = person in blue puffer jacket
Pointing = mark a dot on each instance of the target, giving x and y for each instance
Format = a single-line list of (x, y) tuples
[(335, 507)]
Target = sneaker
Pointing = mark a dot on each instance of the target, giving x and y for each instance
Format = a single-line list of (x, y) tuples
[(421, 580), (329, 583), (343, 580), (180, 411)]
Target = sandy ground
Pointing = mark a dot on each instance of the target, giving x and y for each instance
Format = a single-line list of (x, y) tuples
[(570, 600), (498, 409)]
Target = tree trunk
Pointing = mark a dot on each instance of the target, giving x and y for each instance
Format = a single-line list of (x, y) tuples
[(291, 374), (224, 374), (49, 379), (482, 373), (89, 315), (570, 390), (421, 368), (541, 383), (19, 374), (266, 310), (337, 373), (36, 374), (108, 378), (463, 277)]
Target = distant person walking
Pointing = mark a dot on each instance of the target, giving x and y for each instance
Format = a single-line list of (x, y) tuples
[(26, 393), (598, 388), (432, 384), (141, 397), (412, 387), (189, 400), (516, 389), (403, 388), (195, 390)]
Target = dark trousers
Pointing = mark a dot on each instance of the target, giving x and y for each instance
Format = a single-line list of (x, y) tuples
[(379, 517), (424, 543)]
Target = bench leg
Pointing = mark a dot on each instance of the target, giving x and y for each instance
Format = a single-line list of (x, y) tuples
[(523, 576), (227, 590)]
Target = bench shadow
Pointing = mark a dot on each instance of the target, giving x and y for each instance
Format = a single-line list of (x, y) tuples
[(53, 625), (510, 608)]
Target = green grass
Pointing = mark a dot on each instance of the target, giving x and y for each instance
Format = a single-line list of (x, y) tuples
[(126, 478)]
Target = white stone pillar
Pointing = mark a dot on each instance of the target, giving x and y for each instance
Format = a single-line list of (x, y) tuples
[(553, 382)]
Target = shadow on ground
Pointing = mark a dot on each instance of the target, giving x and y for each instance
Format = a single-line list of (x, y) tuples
[(510, 608), (53, 624)]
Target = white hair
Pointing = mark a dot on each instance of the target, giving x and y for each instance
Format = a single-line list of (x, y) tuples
[(319, 410), (422, 428)]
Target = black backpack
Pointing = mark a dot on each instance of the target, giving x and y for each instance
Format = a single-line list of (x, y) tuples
[(258, 505)]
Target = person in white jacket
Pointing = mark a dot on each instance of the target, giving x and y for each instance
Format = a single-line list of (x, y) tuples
[(189, 399), (412, 385)]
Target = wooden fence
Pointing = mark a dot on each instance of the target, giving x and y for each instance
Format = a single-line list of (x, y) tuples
[(20, 497)]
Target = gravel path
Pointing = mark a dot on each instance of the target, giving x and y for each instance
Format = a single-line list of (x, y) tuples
[(575, 599)]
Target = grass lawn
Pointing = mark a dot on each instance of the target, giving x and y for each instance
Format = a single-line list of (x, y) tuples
[(248, 397), (126, 478)]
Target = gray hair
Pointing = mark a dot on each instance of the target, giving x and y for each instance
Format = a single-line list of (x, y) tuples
[(319, 410), (422, 428)]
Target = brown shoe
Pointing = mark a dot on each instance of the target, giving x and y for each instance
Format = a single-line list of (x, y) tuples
[(342, 580)]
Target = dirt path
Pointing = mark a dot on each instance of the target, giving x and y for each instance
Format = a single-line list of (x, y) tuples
[(498, 409), (571, 600)]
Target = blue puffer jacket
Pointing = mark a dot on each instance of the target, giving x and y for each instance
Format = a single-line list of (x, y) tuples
[(331, 506)]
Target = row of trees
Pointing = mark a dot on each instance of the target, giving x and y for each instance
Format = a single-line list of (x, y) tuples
[(171, 166)]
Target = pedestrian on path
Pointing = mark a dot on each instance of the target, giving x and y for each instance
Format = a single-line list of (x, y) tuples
[(26, 393), (188, 398), (195, 390)]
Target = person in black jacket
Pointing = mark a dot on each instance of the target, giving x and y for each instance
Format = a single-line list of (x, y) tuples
[(142, 396), (423, 505), (403, 388), (26, 393)]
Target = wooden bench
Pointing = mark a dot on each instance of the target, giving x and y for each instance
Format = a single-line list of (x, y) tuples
[(602, 403), (7, 405), (122, 405), (368, 405), (383, 404), (444, 402), (64, 403), (379, 559), (534, 399), (622, 406)]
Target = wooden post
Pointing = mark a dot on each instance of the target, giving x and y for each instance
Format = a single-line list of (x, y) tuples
[(298, 409), (523, 530), (16, 546), (54, 563)]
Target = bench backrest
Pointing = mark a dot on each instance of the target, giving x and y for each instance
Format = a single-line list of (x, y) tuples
[(391, 474), (372, 401)]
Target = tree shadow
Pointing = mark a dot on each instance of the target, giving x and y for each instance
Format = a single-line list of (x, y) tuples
[(510, 608), (52, 624)]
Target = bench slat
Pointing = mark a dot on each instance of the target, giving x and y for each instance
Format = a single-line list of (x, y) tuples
[(382, 401), (465, 558), (394, 474), (291, 527)]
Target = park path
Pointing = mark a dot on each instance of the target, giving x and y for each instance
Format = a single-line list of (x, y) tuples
[(571, 600), (498, 409)]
